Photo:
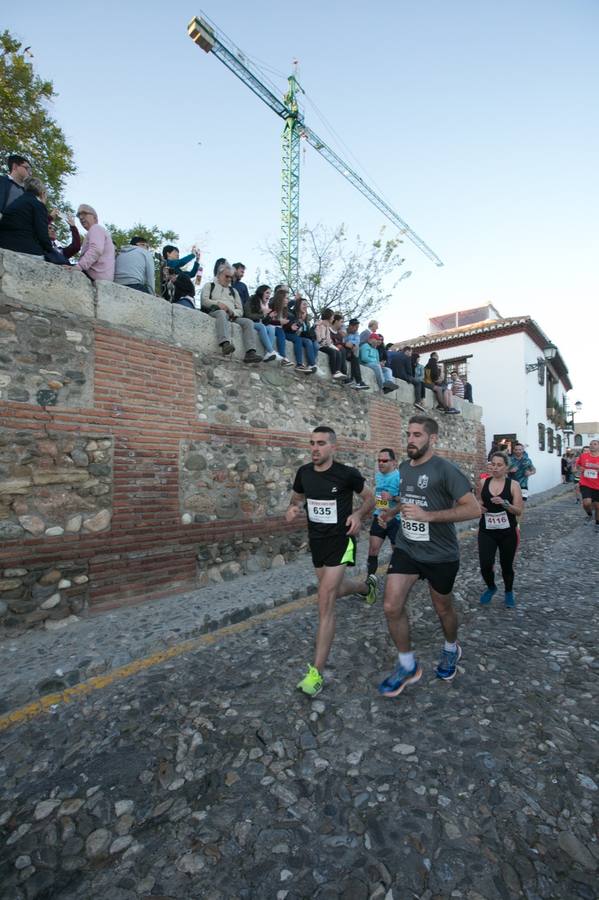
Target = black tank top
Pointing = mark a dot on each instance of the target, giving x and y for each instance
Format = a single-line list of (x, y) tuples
[(506, 494)]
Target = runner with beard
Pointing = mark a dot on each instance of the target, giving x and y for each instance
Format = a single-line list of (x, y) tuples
[(325, 488), (434, 494)]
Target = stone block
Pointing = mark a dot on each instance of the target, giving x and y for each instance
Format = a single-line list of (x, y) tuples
[(141, 313), (42, 285), (194, 330)]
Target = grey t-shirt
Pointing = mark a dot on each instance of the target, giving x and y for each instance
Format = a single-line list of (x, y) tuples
[(433, 485)]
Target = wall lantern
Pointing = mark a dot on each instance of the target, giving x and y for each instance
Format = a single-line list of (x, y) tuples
[(549, 352)]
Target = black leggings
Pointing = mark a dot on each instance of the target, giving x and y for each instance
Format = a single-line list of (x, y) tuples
[(507, 542)]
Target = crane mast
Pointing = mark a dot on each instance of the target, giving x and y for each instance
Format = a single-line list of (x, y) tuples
[(207, 36)]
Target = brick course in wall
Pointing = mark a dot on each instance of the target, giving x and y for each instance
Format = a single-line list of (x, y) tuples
[(196, 460)]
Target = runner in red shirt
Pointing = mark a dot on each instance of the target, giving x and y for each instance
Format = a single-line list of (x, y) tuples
[(588, 466)]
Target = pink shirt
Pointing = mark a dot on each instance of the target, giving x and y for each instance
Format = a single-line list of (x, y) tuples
[(97, 254)]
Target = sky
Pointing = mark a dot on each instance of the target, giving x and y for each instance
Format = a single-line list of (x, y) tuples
[(476, 121)]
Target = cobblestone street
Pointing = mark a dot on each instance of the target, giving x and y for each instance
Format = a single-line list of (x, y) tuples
[(208, 776)]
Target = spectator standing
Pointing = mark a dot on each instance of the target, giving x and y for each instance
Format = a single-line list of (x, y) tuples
[(61, 255), (457, 385), (134, 266), (369, 356), (238, 285), (97, 253), (24, 223), (11, 185), (257, 309), (222, 302)]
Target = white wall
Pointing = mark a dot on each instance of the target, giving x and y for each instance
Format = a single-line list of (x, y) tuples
[(512, 401)]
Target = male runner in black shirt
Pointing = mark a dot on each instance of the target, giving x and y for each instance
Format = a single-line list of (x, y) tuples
[(326, 489)]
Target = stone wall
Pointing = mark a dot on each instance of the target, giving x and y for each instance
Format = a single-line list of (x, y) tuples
[(135, 461)]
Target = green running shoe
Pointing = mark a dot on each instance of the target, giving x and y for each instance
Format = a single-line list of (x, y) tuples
[(373, 588), (311, 683)]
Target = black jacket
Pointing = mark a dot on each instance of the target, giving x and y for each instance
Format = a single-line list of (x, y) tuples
[(401, 365), (24, 226), (6, 184)]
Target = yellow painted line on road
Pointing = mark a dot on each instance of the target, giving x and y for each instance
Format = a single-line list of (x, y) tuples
[(98, 682)]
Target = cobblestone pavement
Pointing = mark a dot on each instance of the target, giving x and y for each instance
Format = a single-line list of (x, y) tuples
[(208, 776)]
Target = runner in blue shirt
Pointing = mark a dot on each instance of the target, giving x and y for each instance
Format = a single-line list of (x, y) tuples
[(387, 481)]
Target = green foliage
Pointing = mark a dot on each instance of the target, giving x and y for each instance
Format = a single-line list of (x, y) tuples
[(153, 235), (26, 126), (348, 279)]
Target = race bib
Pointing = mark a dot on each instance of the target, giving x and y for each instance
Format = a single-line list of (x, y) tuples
[(590, 473), (380, 503), (322, 512), (415, 531), (496, 520)]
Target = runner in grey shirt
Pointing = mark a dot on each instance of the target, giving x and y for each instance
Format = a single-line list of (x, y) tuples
[(434, 495)]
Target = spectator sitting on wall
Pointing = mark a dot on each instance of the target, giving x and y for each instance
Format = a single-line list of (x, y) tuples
[(400, 363), (222, 302), (306, 331), (373, 325), (238, 284), (171, 266), (457, 385), (468, 392), (256, 309), (184, 292), (134, 266), (24, 224), (337, 363), (435, 381), (97, 253), (286, 329), (60, 256), (349, 351), (369, 356), (11, 185)]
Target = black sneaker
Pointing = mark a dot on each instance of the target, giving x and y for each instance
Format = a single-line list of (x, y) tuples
[(251, 357), (227, 347)]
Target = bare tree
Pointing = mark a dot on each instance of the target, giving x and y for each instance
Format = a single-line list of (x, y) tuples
[(336, 276)]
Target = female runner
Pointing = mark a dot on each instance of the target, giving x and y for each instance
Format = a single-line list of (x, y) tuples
[(501, 502)]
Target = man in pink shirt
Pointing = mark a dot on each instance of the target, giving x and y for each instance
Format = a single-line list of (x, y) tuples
[(97, 252)]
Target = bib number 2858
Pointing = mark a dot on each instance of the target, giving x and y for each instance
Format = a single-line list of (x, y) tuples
[(415, 531)]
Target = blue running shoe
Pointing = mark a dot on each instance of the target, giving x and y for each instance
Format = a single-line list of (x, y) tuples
[(399, 679), (488, 595), (447, 665), (510, 600)]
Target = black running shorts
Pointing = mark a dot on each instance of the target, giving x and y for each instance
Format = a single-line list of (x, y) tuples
[(338, 550), (588, 493), (440, 576), (390, 531)]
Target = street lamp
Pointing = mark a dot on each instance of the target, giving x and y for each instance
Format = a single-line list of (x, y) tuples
[(569, 428), (549, 353)]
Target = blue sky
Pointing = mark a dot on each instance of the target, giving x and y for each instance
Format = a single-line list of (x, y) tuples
[(477, 121)]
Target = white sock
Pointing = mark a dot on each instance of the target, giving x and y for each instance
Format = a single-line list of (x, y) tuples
[(407, 660), (451, 648)]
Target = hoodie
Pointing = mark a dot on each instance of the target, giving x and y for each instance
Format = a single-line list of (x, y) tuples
[(134, 265)]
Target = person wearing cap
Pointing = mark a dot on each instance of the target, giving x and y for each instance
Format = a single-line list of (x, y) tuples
[(97, 252), (351, 342), (369, 356), (134, 266)]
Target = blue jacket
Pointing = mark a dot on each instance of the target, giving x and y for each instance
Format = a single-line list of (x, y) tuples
[(369, 355)]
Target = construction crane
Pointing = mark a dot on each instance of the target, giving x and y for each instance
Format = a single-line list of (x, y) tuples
[(206, 35)]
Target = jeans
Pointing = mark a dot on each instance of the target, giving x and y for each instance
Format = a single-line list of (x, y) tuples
[(311, 348), (266, 334), (283, 336), (381, 373)]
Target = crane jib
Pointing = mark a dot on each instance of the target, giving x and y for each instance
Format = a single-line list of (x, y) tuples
[(212, 40)]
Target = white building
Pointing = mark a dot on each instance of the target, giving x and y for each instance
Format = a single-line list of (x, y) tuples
[(585, 432), (517, 375)]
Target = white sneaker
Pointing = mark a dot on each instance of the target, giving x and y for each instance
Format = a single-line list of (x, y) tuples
[(338, 376), (285, 361), (268, 357)]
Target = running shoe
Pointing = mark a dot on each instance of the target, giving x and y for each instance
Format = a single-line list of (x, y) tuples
[(399, 679), (510, 600), (362, 387), (338, 376), (447, 665), (286, 362), (311, 683), (420, 406), (373, 588), (269, 357), (487, 596)]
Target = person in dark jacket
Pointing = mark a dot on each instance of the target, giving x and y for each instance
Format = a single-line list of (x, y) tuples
[(61, 256), (24, 224), (400, 363), (11, 185)]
